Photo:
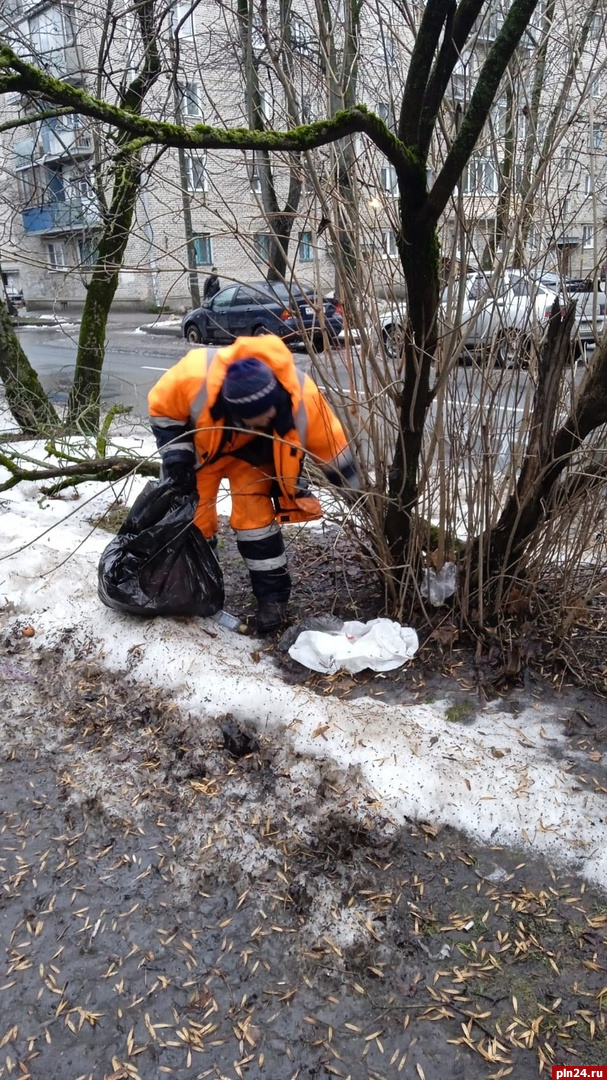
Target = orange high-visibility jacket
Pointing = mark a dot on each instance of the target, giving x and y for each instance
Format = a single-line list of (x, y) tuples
[(180, 413)]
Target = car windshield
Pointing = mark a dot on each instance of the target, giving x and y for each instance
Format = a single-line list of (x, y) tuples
[(294, 292)]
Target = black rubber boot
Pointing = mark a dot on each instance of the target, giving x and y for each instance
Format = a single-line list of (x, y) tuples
[(271, 616)]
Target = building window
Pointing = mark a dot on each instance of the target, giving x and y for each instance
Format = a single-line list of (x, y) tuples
[(597, 137), (596, 87), (255, 177), (464, 78), (306, 251), (532, 238), (48, 40), (190, 99), (56, 256), (196, 168), (87, 251), (261, 242), (182, 20), (265, 105), (79, 188), (588, 184), (307, 112), (203, 249), (56, 187), (587, 236), (388, 51), (518, 176), (480, 177), (301, 37), (387, 179), (388, 242), (258, 41), (385, 111)]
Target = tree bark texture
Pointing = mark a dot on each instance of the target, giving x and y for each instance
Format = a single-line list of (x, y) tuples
[(434, 56), (84, 399), (25, 397)]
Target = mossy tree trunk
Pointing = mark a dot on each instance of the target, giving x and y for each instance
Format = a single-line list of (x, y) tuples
[(443, 32), (25, 397), (85, 397), (419, 252)]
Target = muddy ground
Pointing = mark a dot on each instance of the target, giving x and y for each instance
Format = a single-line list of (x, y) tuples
[(190, 900)]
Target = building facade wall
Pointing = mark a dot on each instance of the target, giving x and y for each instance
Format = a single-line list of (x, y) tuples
[(52, 265)]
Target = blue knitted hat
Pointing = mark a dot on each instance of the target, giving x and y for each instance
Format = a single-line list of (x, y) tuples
[(249, 388)]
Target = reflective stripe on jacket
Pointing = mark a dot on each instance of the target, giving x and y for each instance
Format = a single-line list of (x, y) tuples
[(180, 414)]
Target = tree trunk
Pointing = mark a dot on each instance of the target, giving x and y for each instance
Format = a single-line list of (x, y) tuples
[(419, 251), (547, 455), (25, 397), (507, 177), (84, 400), (280, 222)]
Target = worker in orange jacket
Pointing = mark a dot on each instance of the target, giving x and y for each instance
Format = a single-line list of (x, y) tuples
[(246, 413)]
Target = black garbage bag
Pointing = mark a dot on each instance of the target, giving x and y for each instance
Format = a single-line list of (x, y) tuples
[(160, 563)]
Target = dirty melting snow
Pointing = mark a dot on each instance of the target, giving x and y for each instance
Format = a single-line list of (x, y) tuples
[(501, 778)]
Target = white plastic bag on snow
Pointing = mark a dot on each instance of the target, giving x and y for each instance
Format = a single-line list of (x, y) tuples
[(380, 644)]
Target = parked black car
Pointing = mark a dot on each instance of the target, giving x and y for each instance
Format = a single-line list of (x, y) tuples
[(262, 307), (13, 298)]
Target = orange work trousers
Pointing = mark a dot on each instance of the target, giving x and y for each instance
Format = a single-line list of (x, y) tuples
[(250, 485)]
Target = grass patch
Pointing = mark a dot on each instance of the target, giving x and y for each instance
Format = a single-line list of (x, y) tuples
[(462, 712), (113, 518)]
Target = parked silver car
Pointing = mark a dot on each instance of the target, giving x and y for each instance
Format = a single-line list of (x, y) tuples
[(496, 315), (503, 316), (590, 307)]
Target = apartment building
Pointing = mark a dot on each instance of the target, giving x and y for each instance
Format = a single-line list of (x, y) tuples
[(198, 209), (195, 209)]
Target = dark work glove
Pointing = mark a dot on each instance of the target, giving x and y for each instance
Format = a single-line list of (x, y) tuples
[(182, 476), (302, 488)]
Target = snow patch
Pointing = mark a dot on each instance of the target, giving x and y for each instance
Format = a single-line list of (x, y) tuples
[(500, 778)]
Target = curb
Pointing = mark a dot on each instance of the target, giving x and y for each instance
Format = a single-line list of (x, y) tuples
[(161, 329), (46, 324)]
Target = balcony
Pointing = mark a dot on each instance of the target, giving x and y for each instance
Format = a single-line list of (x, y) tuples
[(66, 142), (26, 151), (52, 144), (61, 217), (63, 62)]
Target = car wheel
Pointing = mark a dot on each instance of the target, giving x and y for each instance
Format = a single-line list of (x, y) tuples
[(260, 331), (394, 339), (511, 349), (193, 334)]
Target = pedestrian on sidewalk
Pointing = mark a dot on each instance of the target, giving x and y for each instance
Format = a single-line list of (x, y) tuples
[(211, 285), (245, 413)]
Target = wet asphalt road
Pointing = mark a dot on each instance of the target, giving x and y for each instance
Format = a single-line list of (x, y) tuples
[(169, 907), (134, 361)]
